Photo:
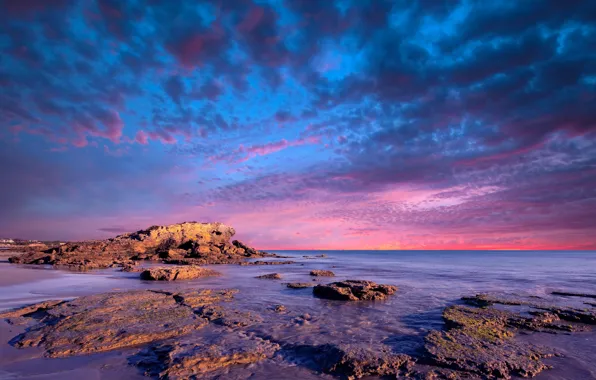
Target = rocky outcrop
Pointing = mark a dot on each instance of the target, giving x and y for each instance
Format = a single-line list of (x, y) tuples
[(183, 243), (177, 273), (322, 273), (192, 358), (110, 321), (354, 290), (565, 313), (353, 361), (270, 276), (480, 341)]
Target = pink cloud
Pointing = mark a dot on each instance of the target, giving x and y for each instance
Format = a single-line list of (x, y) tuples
[(245, 153), (142, 138)]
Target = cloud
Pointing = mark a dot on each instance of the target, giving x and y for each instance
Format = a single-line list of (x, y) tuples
[(480, 115)]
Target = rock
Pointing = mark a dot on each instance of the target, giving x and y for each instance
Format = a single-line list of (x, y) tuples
[(110, 321), (354, 290), (198, 298), (279, 308), (177, 273), (460, 351), (321, 256), (229, 318), (299, 285), (193, 357), (480, 341), (355, 361), (205, 243), (31, 310), (271, 276), (483, 300), (569, 314), (573, 294), (562, 312), (260, 262), (322, 273), (131, 268)]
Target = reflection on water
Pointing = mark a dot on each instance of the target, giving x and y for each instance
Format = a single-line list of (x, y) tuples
[(427, 281)]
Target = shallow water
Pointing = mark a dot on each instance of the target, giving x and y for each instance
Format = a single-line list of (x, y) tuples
[(427, 281)]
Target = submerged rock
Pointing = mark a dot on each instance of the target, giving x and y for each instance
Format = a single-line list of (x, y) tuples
[(354, 361), (177, 273), (322, 273), (110, 321), (299, 285), (574, 294), (565, 313), (354, 290), (270, 276), (193, 357), (201, 243)]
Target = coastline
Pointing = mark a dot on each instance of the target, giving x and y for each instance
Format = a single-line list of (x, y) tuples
[(427, 284)]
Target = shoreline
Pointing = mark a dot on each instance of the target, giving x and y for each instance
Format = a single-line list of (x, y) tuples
[(401, 322)]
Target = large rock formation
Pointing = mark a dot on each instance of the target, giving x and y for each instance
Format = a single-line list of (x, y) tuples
[(183, 243)]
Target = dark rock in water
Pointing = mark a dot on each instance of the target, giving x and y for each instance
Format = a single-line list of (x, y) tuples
[(483, 300), (480, 341), (110, 321), (585, 316), (177, 273), (355, 361), (279, 308), (572, 294), (203, 243), (270, 276), (132, 268), (322, 273), (194, 357), (321, 256), (354, 290), (299, 285), (260, 262)]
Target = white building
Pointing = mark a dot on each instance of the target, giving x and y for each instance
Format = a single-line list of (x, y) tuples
[(7, 241)]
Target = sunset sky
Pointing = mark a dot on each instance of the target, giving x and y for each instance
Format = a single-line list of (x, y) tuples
[(348, 124)]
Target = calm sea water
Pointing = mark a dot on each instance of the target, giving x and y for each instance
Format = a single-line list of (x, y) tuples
[(427, 280)]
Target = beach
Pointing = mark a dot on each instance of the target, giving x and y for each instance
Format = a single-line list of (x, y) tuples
[(427, 282)]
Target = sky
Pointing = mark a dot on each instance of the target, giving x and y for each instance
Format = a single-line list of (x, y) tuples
[(346, 124)]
